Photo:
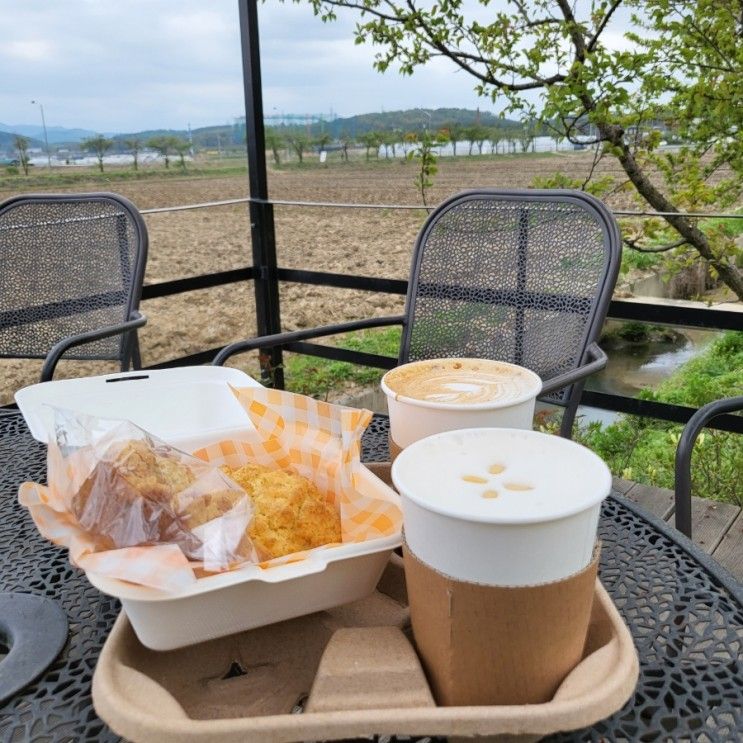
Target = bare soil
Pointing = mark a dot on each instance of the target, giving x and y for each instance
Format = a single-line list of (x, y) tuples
[(370, 242)]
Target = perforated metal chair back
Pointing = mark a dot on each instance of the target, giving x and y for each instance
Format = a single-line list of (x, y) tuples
[(71, 263), (518, 276)]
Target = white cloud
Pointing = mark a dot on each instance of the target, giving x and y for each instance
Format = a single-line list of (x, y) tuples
[(134, 64), (28, 50)]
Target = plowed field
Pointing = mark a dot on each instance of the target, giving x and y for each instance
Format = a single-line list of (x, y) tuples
[(371, 242)]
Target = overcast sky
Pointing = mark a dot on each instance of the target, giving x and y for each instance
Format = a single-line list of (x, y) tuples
[(126, 65)]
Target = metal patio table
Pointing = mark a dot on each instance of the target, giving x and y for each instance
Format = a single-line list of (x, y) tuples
[(685, 613)]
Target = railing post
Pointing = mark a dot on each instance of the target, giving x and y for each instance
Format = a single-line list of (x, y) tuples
[(522, 248), (263, 236)]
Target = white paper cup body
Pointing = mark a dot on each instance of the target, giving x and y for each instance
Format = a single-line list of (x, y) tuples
[(494, 543), (412, 419)]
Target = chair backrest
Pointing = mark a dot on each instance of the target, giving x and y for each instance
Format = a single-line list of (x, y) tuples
[(69, 263), (518, 276)]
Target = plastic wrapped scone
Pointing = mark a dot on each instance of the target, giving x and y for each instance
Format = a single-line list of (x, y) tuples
[(126, 489)]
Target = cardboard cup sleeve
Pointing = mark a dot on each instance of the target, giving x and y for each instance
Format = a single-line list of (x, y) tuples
[(493, 645)]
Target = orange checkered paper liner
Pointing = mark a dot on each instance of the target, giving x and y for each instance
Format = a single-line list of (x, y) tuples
[(318, 440), (321, 442)]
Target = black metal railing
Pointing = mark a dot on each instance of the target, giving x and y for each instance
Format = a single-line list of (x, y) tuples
[(635, 310), (271, 275)]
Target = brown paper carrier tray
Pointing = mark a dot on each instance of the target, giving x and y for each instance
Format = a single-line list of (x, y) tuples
[(244, 687)]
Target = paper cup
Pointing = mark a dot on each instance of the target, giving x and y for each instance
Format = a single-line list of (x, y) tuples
[(435, 395), (501, 507)]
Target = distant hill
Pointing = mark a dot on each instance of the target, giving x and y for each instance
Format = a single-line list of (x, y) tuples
[(56, 134), (7, 138), (414, 119), (411, 120), (150, 133), (231, 135)]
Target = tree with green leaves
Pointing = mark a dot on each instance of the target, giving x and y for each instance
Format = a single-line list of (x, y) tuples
[(181, 147), (495, 136), (299, 143), (322, 141), (164, 145), (21, 145), (100, 145), (526, 137), (683, 58), (134, 145), (345, 140), (274, 141), (454, 133), (370, 140), (424, 151), (479, 134), (387, 140), (469, 133)]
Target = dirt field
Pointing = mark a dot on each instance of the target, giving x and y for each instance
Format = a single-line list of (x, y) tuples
[(372, 242)]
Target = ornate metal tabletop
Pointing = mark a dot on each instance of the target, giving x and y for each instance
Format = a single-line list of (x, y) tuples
[(684, 611)]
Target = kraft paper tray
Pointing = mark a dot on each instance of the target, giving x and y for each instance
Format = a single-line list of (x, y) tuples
[(245, 686)]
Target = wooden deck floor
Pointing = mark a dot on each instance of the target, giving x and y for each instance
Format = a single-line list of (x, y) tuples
[(716, 527)]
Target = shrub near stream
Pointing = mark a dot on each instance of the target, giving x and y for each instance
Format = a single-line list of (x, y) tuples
[(644, 449)]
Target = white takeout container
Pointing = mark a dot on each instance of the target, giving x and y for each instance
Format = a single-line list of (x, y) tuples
[(412, 419), (186, 406), (519, 538), (252, 596), (190, 407)]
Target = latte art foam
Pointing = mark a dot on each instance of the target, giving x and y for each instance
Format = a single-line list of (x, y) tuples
[(461, 381)]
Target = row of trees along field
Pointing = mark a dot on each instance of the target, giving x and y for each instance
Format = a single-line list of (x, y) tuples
[(498, 140), (616, 64), (165, 145)]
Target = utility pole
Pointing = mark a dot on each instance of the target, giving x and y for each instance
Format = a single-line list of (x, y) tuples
[(46, 139)]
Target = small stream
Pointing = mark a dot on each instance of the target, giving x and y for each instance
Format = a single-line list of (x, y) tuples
[(636, 367)]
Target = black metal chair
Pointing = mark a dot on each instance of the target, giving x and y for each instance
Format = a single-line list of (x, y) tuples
[(682, 486), (71, 278), (518, 276)]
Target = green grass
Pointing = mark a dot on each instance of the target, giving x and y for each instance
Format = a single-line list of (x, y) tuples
[(643, 449), (731, 227), (634, 260), (39, 177), (309, 375)]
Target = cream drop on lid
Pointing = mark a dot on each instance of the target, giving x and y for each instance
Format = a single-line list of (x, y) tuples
[(501, 475), (463, 382)]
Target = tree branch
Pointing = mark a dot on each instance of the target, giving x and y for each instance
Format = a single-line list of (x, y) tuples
[(660, 249), (597, 155), (604, 21), (488, 77)]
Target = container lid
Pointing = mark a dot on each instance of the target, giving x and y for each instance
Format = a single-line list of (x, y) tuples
[(501, 475), (172, 404), (454, 383)]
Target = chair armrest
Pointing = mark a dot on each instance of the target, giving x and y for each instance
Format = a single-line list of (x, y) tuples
[(596, 361), (682, 485), (52, 358), (279, 339)]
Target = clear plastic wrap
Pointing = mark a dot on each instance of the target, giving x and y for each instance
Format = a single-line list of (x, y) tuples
[(126, 489)]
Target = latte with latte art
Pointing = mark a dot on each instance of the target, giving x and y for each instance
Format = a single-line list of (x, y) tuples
[(462, 381), (435, 395)]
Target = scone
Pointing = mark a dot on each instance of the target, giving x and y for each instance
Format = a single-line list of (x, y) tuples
[(126, 500), (289, 512), (132, 497)]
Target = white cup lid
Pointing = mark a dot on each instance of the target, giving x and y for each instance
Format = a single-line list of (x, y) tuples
[(501, 475)]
